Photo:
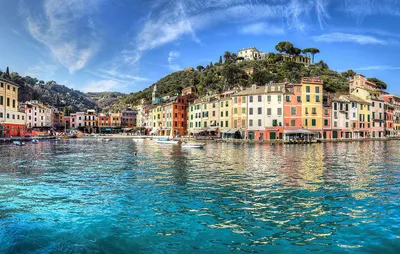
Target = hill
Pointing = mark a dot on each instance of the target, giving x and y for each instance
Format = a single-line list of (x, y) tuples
[(60, 96), (216, 78)]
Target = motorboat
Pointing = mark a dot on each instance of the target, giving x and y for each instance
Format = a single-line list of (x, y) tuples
[(18, 143), (166, 141), (35, 141), (193, 145)]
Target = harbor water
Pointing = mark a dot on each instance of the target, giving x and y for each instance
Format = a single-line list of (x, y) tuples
[(85, 196)]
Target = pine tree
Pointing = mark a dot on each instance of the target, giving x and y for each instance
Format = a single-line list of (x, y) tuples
[(220, 60), (7, 72), (211, 65)]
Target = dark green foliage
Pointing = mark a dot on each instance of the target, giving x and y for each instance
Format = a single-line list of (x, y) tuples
[(348, 74), (378, 82), (220, 60)]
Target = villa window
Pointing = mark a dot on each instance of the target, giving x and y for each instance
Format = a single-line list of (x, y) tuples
[(251, 99), (259, 111), (317, 89), (307, 89), (293, 111), (259, 98), (317, 98)]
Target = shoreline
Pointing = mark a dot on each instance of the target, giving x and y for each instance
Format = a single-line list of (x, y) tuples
[(243, 141)]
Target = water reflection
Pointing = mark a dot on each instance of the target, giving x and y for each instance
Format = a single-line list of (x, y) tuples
[(86, 196)]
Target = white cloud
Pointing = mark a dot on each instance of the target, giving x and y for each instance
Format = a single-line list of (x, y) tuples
[(42, 70), (117, 76), (60, 28), (362, 8), (101, 86), (170, 21), (352, 38), (16, 32), (171, 60), (377, 68), (261, 28)]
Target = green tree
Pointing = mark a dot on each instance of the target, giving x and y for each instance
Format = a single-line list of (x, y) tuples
[(200, 68), (8, 72), (378, 82), (294, 51), (234, 57), (348, 74), (220, 60), (284, 47), (262, 77), (211, 65), (311, 51), (227, 57)]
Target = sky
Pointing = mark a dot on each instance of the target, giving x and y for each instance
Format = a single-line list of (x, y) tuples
[(127, 45)]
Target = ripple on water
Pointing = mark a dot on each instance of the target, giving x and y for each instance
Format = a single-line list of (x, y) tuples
[(79, 196)]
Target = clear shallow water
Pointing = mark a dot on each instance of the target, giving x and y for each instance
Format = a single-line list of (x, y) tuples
[(82, 196)]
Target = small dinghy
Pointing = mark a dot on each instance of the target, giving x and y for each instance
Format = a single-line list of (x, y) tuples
[(166, 141), (193, 145), (18, 143)]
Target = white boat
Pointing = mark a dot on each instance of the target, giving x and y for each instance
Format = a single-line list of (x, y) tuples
[(35, 141), (193, 145), (18, 143), (166, 141)]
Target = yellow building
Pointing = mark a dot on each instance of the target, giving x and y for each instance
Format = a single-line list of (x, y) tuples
[(12, 121), (312, 108), (225, 112)]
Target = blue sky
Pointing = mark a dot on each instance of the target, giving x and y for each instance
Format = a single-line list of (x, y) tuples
[(126, 45)]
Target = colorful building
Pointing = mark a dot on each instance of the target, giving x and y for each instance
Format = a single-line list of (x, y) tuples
[(312, 96), (12, 120), (340, 111)]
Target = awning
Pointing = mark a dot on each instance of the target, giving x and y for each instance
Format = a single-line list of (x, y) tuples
[(212, 129), (224, 131), (233, 131), (108, 129), (198, 131), (154, 131), (301, 131)]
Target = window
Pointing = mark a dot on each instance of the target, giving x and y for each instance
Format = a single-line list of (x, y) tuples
[(243, 99), (259, 98), (313, 122), (361, 106), (243, 110), (226, 123), (226, 113), (268, 111), (235, 111), (335, 124), (213, 114), (250, 123), (293, 122), (307, 98), (234, 123), (306, 111), (293, 111), (259, 122), (380, 105), (298, 98), (8, 102), (1, 100), (307, 89), (314, 111), (274, 122), (243, 123), (235, 100), (222, 114), (222, 124), (279, 98), (317, 98), (373, 104), (347, 124), (287, 98), (279, 111), (259, 111), (251, 99), (317, 89), (269, 98), (326, 122), (250, 111)]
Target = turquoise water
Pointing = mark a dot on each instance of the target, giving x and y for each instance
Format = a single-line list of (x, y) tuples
[(83, 196)]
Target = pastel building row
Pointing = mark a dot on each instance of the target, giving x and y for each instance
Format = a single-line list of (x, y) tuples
[(276, 111)]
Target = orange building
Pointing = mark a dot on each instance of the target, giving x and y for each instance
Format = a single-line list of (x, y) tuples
[(292, 109)]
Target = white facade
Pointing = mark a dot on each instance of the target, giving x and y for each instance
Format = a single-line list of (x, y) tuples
[(341, 109), (256, 111), (274, 105), (39, 115), (77, 120)]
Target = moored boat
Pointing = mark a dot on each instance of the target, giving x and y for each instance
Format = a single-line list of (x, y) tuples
[(193, 145), (18, 143), (166, 141)]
